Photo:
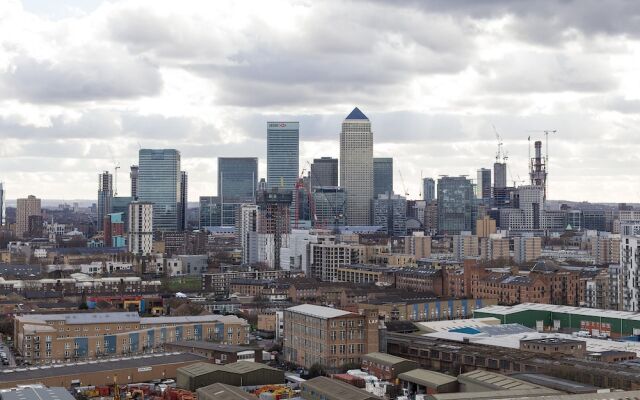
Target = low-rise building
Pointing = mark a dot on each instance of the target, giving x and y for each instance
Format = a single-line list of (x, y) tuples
[(323, 388), (386, 367)]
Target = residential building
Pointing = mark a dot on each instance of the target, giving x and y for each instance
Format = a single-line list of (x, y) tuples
[(390, 212), (26, 208), (237, 184), (456, 205), (120, 204), (526, 249), (494, 247), (465, 245), (159, 180), (323, 172), (184, 201), (418, 245), (428, 189), (485, 226), (105, 194), (210, 211), (630, 261), (328, 336), (3, 215), (382, 176), (356, 166), (49, 338), (246, 227), (327, 256), (605, 248), (114, 233), (140, 236)]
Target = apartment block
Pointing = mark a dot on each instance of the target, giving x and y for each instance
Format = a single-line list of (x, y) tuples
[(465, 245), (526, 249), (48, 338), (418, 245), (328, 336)]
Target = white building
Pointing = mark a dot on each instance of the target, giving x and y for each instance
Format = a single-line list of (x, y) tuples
[(629, 253), (246, 227), (295, 256), (140, 236), (356, 166)]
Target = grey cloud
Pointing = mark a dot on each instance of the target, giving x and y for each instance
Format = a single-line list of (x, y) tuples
[(92, 77)]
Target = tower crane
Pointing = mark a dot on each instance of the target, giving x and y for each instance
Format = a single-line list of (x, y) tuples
[(404, 187)]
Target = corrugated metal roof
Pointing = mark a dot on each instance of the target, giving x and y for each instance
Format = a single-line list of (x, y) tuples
[(318, 311), (427, 378), (384, 358)]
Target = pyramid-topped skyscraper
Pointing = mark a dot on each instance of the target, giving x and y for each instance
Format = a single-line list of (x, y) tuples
[(356, 166)]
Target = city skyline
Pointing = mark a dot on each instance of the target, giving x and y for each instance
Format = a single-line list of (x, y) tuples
[(443, 90)]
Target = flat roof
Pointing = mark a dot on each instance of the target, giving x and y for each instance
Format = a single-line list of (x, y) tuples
[(202, 344), (318, 311), (84, 318), (242, 367), (593, 312), (191, 319), (47, 371), (552, 382), (385, 358), (427, 378), (497, 394), (338, 389), (37, 393)]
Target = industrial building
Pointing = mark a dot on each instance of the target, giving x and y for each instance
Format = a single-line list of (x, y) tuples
[(242, 373), (597, 322), (218, 353), (220, 391), (385, 366), (102, 372), (37, 393), (323, 388)]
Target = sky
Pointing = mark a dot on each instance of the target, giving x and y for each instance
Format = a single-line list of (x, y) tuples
[(84, 84)]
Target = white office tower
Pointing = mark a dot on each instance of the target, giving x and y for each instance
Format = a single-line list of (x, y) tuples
[(140, 236), (246, 229), (356, 166), (629, 254)]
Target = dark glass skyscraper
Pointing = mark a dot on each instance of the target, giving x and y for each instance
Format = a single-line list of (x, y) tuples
[(428, 189), (382, 176), (159, 180), (283, 148), (483, 185), (237, 184), (456, 205), (105, 194), (184, 201), (3, 217), (210, 211), (324, 172)]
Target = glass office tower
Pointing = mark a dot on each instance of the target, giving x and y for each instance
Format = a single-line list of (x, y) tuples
[(159, 180), (237, 184)]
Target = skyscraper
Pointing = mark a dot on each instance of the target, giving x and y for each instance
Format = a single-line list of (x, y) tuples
[(133, 175), (330, 207), (184, 201), (483, 184), (324, 172), (390, 212), (428, 189), (382, 176), (105, 194), (356, 166), (283, 147), (3, 217), (159, 183), (140, 237), (237, 184), (26, 208), (499, 175), (210, 212), (456, 205)]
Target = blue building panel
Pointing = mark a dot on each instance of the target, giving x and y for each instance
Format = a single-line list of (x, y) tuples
[(179, 334), (110, 344), (134, 342), (151, 338), (81, 347), (197, 332)]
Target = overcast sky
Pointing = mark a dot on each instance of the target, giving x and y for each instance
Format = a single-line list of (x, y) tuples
[(84, 83)]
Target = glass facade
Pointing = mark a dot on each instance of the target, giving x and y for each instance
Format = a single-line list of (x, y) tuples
[(382, 176), (456, 205), (324, 172), (330, 204), (159, 180), (283, 147), (237, 184), (210, 211), (428, 189)]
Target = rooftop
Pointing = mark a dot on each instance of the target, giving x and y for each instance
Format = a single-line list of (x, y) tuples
[(84, 318), (201, 344), (427, 378), (220, 391), (557, 383), (37, 393), (594, 312), (384, 358), (318, 311), (495, 381), (337, 389), (357, 114)]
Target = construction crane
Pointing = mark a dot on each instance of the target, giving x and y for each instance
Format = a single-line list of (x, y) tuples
[(404, 187), (117, 167), (546, 155), (500, 154)]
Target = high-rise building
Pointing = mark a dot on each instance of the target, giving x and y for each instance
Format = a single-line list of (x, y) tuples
[(210, 211), (3, 217), (382, 176), (184, 201), (500, 175), (114, 232), (630, 264), (159, 180), (356, 166), (274, 219), (483, 185), (237, 184), (538, 169), (120, 204), (133, 175), (390, 212), (324, 172), (330, 204), (105, 194), (418, 245), (283, 148), (246, 228), (428, 189), (526, 249), (26, 208), (140, 237), (465, 245), (456, 205)]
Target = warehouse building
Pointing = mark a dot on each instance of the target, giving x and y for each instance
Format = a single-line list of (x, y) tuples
[(422, 381), (323, 388), (218, 353), (242, 373), (385, 366), (596, 322), (98, 373), (220, 391)]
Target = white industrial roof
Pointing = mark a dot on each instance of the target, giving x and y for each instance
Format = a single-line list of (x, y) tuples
[(447, 325), (318, 311), (594, 312), (85, 318)]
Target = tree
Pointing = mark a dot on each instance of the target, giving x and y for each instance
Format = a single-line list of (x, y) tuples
[(83, 306), (316, 370)]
